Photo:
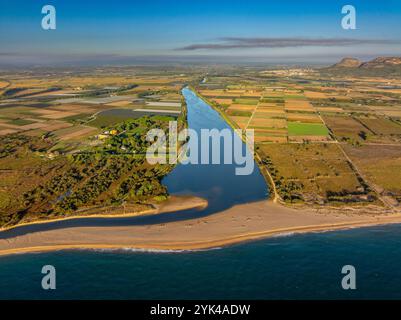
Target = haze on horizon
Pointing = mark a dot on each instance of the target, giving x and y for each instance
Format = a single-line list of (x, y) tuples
[(126, 32)]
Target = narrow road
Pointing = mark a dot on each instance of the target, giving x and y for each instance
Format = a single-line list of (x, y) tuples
[(253, 113)]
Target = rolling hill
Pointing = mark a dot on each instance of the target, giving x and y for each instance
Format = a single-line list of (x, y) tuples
[(380, 66)]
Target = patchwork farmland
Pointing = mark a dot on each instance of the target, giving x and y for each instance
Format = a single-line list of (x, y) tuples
[(311, 133), (71, 142), (71, 108), (275, 114), (320, 140)]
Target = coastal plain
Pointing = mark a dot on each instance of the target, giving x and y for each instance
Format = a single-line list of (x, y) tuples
[(72, 145)]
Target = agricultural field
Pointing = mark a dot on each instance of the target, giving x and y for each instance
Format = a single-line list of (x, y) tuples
[(72, 143), (276, 114), (382, 166), (315, 173), (39, 183), (71, 107)]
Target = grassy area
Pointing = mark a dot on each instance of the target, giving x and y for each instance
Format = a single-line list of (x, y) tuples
[(316, 173), (54, 164), (247, 101), (238, 113), (77, 118), (104, 121), (381, 164), (306, 129), (105, 174), (21, 122)]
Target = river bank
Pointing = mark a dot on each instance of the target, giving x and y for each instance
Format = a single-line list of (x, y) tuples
[(173, 203)]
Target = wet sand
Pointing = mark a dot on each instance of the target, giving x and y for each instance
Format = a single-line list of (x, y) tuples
[(239, 223)]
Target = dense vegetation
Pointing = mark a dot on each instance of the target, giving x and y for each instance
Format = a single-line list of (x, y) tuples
[(289, 191), (110, 174)]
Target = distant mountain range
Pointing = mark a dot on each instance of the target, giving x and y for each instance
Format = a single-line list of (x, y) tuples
[(378, 66), (348, 63)]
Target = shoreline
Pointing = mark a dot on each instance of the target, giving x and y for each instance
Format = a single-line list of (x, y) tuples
[(173, 203), (218, 230)]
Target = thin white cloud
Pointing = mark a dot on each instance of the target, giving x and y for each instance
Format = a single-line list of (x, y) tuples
[(239, 43)]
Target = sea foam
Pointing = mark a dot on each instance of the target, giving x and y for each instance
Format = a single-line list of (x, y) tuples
[(147, 250)]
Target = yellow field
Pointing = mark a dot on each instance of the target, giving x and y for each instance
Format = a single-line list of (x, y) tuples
[(315, 95), (223, 101), (270, 123), (244, 107), (298, 105)]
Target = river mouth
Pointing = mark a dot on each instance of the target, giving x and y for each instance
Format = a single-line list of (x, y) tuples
[(217, 183)]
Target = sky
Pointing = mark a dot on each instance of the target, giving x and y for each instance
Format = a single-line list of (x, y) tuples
[(123, 31)]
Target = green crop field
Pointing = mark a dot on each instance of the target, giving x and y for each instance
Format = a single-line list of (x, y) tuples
[(307, 129), (104, 121), (21, 122), (247, 101)]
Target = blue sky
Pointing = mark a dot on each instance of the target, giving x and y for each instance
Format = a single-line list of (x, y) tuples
[(119, 29)]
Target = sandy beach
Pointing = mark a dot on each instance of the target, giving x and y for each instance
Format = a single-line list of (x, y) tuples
[(240, 223)]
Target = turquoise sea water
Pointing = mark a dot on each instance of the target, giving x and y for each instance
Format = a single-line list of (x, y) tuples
[(290, 267)]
